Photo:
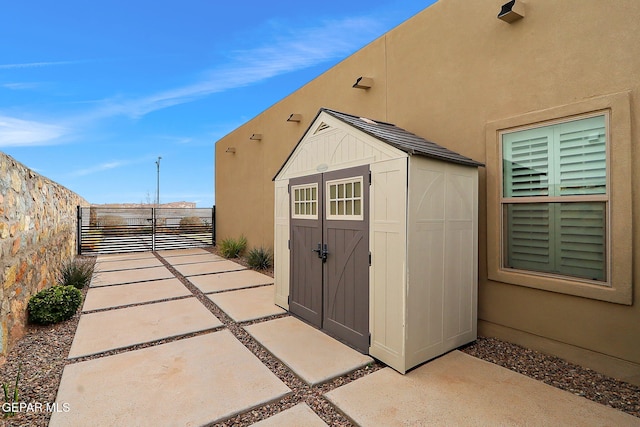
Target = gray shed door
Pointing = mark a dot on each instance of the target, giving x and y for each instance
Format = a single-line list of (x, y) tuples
[(330, 253)]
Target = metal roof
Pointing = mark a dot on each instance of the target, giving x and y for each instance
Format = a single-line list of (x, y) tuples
[(401, 139)]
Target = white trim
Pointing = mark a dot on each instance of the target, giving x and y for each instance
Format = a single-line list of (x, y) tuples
[(312, 201), (345, 199)]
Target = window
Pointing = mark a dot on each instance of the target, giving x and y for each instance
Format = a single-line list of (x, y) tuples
[(555, 199), (344, 199), (305, 201)]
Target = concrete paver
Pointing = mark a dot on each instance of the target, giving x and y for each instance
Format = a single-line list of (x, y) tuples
[(127, 264), (124, 327), (458, 389), (124, 257), (119, 295), (299, 415), (182, 252), (108, 278), (189, 382), (212, 377), (312, 355), (247, 304), (193, 259), (230, 280), (208, 268)]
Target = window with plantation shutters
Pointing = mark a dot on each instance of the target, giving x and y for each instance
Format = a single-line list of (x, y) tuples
[(554, 198)]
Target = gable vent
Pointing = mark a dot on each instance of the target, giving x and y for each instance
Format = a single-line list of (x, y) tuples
[(323, 126)]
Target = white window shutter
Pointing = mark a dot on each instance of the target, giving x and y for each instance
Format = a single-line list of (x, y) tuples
[(582, 157), (526, 162)]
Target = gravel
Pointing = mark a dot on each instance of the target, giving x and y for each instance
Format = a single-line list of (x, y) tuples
[(42, 352)]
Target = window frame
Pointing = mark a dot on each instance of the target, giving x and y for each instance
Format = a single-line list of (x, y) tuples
[(337, 217), (309, 186), (584, 198), (620, 219)]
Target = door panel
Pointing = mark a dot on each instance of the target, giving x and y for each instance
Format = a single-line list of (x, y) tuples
[(332, 294), (346, 271), (306, 267)]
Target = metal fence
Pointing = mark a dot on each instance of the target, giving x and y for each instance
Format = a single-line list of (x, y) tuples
[(103, 230)]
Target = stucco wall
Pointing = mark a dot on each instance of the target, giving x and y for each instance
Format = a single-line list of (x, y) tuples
[(446, 75), (37, 234)]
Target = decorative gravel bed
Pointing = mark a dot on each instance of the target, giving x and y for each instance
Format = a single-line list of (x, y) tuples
[(42, 355)]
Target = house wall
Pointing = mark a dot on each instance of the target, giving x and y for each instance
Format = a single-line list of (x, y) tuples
[(447, 74), (37, 235)]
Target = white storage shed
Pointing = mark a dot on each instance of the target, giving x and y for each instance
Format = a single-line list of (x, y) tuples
[(376, 235)]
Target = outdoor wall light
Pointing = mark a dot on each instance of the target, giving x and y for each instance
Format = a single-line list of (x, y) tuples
[(256, 137), (295, 118), (231, 150), (363, 83), (511, 11)]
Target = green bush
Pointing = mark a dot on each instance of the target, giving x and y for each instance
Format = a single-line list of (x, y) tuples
[(76, 273), (232, 248), (112, 225), (190, 222), (260, 258), (53, 305)]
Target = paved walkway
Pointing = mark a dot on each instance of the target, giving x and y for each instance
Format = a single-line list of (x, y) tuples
[(149, 350)]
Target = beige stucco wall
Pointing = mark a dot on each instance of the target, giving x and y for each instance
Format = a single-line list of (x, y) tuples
[(446, 74)]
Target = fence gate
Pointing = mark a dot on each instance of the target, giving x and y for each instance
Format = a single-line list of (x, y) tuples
[(103, 230)]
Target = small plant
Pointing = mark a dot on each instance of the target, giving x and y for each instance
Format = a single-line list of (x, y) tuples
[(54, 304), (11, 398), (113, 225), (76, 273), (260, 258), (190, 222), (232, 248)]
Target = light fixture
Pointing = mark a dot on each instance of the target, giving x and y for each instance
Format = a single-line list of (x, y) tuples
[(511, 11), (363, 83), (295, 118), (231, 150), (256, 137)]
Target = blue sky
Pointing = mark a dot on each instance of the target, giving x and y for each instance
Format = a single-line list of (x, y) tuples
[(91, 93)]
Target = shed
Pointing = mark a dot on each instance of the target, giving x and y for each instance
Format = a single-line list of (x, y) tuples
[(376, 237)]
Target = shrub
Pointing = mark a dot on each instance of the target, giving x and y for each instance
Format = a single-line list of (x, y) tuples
[(232, 248), (112, 224), (76, 273), (54, 304), (190, 222), (260, 258)]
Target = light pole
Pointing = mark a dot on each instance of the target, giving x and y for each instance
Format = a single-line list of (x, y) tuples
[(158, 183)]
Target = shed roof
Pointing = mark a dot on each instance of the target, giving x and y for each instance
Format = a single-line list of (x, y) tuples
[(393, 135), (402, 139)]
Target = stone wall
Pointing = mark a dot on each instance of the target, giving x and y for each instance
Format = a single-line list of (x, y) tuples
[(37, 234)]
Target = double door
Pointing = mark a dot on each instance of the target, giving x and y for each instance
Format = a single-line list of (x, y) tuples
[(329, 247)]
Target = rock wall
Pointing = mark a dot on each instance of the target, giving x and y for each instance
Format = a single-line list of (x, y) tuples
[(37, 235)]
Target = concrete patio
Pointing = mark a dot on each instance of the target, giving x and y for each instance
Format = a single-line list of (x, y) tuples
[(161, 357)]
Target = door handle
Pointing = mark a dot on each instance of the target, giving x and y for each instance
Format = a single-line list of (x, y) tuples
[(318, 250), (322, 251)]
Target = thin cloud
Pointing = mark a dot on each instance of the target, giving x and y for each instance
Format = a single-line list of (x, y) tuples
[(38, 64), (115, 164), (22, 133), (297, 49), (98, 168), (21, 86)]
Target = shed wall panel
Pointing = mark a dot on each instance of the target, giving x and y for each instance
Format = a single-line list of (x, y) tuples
[(442, 254), (388, 261), (281, 244)]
